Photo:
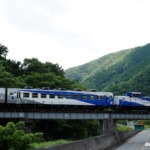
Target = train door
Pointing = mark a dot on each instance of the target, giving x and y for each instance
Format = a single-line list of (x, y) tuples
[(18, 98), (116, 100)]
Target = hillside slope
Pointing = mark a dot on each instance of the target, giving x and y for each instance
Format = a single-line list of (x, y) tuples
[(117, 72)]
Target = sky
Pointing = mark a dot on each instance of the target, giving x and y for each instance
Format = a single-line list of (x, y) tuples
[(72, 32)]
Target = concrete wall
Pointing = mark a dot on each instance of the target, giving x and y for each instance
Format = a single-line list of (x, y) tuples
[(102, 142)]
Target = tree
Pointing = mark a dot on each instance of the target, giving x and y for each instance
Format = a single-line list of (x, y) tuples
[(3, 51), (14, 67), (69, 129), (34, 65), (55, 68), (12, 136)]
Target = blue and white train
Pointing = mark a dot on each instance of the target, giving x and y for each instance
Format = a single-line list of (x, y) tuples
[(133, 101), (39, 99)]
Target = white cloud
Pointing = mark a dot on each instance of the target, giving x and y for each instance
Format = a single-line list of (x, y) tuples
[(72, 32)]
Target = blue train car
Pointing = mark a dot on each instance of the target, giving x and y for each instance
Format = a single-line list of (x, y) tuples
[(132, 99), (56, 97)]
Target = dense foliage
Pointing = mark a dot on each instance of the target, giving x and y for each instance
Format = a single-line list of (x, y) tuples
[(127, 70), (68, 129), (13, 137)]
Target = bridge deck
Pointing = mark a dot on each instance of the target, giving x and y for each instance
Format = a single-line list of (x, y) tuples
[(100, 116)]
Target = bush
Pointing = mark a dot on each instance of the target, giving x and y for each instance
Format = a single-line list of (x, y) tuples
[(13, 137)]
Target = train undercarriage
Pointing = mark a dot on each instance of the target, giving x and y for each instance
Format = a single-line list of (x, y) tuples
[(72, 109)]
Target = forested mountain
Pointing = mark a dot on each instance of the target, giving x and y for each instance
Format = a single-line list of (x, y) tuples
[(126, 70)]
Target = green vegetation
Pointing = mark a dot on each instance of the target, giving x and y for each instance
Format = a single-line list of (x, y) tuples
[(122, 128), (13, 137), (68, 129), (32, 72), (127, 70), (49, 144), (147, 126)]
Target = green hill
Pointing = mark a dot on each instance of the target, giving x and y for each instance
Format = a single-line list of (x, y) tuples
[(126, 70)]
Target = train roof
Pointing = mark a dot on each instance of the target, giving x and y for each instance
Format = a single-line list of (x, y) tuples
[(68, 91), (135, 92)]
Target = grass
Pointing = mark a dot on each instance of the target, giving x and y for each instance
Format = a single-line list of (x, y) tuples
[(147, 126), (121, 128), (49, 144)]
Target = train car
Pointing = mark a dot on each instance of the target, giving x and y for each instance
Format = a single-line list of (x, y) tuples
[(40, 97), (132, 101)]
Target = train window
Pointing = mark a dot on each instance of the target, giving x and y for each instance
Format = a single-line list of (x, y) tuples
[(76, 96), (84, 97), (51, 95), (98, 97), (11, 93), (43, 95), (137, 95), (91, 97), (60, 95), (34, 95), (26, 95), (68, 96)]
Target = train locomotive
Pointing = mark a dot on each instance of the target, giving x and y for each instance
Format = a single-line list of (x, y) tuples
[(15, 99)]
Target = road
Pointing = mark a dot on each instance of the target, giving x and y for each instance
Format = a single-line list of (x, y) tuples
[(140, 141)]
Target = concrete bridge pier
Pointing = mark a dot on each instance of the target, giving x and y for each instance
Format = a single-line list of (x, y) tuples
[(28, 125), (108, 126)]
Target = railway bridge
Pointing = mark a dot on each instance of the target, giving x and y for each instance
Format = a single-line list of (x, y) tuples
[(108, 119)]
